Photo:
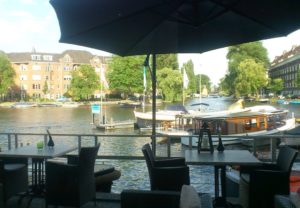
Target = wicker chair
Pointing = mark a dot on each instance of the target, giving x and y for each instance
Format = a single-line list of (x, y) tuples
[(166, 174), (13, 178), (259, 186), (72, 184)]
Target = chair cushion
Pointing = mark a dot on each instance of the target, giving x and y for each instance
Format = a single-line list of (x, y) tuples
[(189, 197), (13, 167)]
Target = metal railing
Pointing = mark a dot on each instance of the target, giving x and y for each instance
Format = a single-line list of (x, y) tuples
[(13, 138)]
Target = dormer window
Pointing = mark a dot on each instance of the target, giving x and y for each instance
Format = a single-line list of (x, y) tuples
[(35, 57), (47, 58)]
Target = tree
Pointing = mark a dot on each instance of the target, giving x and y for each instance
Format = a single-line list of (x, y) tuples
[(251, 77), (167, 61), (45, 88), (7, 74), (84, 82), (275, 85), (126, 74), (298, 79), (205, 81), (239, 53), (170, 83), (188, 67)]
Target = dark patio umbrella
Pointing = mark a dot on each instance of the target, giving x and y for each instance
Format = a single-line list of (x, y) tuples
[(134, 27)]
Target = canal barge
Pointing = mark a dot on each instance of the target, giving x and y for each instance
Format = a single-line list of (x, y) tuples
[(252, 121)]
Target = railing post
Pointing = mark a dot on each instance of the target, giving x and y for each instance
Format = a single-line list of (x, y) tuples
[(16, 141), (9, 141), (169, 146), (273, 148), (190, 141), (79, 143), (96, 140), (45, 140), (254, 147)]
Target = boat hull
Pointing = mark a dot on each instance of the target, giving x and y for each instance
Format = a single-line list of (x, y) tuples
[(233, 138)]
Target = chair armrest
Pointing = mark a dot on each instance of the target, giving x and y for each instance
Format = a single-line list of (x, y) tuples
[(170, 178), (149, 199), (170, 162), (270, 180), (263, 166)]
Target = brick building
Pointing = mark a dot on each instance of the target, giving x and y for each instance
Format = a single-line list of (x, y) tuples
[(35, 70), (286, 67)]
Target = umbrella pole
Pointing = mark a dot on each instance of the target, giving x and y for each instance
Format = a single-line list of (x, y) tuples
[(153, 136)]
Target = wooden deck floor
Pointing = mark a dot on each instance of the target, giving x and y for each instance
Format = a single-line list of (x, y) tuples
[(104, 200)]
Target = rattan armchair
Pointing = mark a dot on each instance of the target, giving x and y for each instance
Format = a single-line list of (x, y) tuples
[(72, 184), (166, 174), (259, 186)]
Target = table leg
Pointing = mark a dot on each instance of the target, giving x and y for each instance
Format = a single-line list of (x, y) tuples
[(37, 175), (220, 200), (216, 182)]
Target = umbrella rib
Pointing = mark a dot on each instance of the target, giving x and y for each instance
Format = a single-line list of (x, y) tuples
[(247, 16)]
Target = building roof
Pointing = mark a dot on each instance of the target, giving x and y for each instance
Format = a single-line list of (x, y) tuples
[(286, 55), (78, 56), (23, 57)]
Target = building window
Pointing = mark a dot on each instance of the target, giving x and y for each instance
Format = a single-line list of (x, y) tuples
[(47, 58), (36, 77), (36, 67), (23, 77), (67, 77), (48, 68), (46, 77), (36, 57), (36, 86), (67, 68), (23, 67)]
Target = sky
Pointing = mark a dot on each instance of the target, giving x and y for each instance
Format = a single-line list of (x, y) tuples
[(32, 24)]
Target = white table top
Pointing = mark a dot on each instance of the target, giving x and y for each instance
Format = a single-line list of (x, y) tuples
[(33, 152), (228, 157)]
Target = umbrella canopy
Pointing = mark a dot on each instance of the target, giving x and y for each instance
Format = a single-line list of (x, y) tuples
[(135, 27)]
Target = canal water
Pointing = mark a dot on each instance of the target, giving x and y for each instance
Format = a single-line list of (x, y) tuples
[(78, 121)]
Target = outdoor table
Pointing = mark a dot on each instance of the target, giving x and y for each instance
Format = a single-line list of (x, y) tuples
[(219, 160), (38, 157)]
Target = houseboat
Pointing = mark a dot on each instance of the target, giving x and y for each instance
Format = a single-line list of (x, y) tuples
[(256, 120)]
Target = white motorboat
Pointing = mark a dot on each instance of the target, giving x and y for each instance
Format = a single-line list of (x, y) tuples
[(144, 119)]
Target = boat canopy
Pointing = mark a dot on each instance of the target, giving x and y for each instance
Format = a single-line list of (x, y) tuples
[(177, 108)]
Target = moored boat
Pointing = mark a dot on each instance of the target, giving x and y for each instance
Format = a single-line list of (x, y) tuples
[(256, 120), (144, 119), (70, 105), (24, 105)]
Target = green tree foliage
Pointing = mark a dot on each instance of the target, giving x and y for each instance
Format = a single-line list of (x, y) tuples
[(126, 74), (170, 83), (167, 61), (45, 88), (275, 85), (298, 79), (251, 77), (239, 53), (84, 82), (7, 74), (188, 67), (205, 81)]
